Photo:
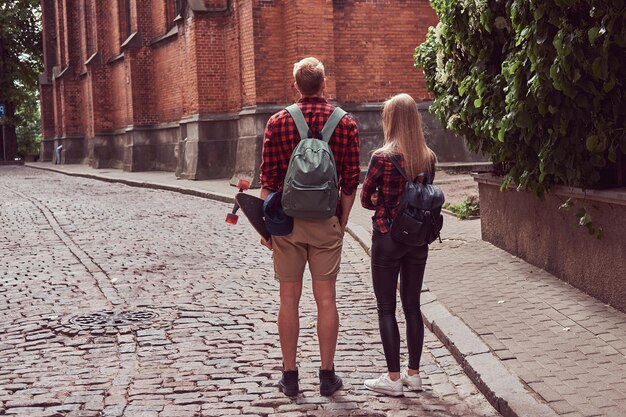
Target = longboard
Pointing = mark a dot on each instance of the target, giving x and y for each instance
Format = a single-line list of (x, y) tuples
[(252, 208)]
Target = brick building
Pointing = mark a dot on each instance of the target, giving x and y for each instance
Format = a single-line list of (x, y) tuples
[(187, 86)]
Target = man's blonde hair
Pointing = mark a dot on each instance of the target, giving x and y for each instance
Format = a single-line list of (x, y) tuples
[(309, 76)]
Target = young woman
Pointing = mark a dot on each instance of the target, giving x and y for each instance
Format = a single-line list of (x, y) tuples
[(382, 190)]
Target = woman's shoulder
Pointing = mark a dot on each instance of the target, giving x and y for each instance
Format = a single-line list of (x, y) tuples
[(383, 156)]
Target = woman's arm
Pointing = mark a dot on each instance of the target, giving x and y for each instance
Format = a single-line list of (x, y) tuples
[(371, 183)]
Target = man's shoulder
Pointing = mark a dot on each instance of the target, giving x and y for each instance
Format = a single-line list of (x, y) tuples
[(278, 117), (349, 120)]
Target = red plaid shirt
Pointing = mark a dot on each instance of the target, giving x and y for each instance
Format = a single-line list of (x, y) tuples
[(383, 177), (281, 138)]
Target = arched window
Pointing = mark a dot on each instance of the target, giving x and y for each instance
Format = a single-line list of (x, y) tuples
[(90, 27), (174, 9), (124, 9)]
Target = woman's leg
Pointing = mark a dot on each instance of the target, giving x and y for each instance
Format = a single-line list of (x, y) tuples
[(385, 269), (411, 278)]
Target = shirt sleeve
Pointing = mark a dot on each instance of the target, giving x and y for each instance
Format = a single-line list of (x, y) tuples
[(269, 159), (371, 182), (432, 170), (351, 168)]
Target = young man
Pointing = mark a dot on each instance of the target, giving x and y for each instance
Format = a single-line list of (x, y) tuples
[(317, 242)]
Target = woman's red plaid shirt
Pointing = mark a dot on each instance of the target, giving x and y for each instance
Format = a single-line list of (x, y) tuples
[(383, 178)]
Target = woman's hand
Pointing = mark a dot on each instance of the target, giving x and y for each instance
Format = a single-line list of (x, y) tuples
[(374, 198)]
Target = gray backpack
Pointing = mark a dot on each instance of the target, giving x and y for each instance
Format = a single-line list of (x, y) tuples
[(311, 189)]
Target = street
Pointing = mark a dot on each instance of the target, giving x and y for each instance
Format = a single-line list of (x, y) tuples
[(123, 301)]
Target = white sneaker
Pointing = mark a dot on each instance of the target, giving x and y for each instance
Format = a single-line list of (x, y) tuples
[(413, 382), (385, 385)]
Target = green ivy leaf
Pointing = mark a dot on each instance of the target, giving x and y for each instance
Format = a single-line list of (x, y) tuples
[(567, 205), (592, 34), (523, 120), (592, 143), (612, 155), (609, 85), (501, 133), (542, 34), (599, 68), (478, 102)]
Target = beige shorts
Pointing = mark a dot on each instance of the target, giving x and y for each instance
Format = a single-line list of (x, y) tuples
[(317, 242)]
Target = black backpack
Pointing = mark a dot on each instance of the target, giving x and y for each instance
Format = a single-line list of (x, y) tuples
[(419, 219)]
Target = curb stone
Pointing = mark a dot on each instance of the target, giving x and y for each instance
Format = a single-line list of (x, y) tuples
[(143, 184), (502, 389)]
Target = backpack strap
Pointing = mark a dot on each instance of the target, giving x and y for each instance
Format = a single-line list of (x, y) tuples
[(331, 123), (298, 118), (399, 168)]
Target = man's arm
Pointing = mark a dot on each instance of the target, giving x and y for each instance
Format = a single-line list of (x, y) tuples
[(269, 169), (350, 174), (347, 201), (264, 193)]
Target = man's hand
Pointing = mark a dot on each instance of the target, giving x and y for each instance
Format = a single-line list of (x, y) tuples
[(346, 205), (267, 243)]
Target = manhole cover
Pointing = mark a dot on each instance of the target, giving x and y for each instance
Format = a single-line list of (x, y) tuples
[(113, 318), (116, 321)]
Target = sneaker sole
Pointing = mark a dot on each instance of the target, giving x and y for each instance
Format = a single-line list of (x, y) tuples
[(384, 391), (411, 387), (329, 392), (287, 392)]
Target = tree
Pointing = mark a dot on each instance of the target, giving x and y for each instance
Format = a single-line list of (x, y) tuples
[(28, 125), (537, 84), (20, 65)]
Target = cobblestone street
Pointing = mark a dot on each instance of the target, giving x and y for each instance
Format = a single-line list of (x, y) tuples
[(121, 301)]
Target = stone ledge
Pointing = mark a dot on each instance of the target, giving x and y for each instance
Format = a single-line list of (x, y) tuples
[(611, 196)]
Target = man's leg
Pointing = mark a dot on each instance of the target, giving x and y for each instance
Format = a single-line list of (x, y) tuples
[(289, 321), (327, 320)]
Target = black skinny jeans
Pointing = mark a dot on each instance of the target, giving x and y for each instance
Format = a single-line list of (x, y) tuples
[(390, 258)]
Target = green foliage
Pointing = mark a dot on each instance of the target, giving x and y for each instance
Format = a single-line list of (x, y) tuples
[(20, 65), (465, 209), (28, 125), (538, 85), (583, 219), (20, 47)]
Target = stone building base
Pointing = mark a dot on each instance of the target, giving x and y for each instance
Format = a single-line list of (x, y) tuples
[(224, 145)]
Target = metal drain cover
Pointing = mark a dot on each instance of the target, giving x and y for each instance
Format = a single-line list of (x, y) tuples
[(117, 321), (113, 318)]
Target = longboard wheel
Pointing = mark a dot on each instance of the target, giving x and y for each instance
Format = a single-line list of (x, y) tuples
[(231, 218), (243, 184)]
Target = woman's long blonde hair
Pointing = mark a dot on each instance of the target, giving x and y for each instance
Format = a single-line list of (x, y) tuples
[(402, 127)]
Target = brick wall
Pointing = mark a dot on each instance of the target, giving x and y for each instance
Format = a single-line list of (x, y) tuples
[(218, 57), (375, 41)]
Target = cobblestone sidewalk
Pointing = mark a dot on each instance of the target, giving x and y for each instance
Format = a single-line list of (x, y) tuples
[(120, 301)]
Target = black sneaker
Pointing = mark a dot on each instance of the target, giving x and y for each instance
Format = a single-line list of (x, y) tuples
[(329, 382), (288, 384)]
